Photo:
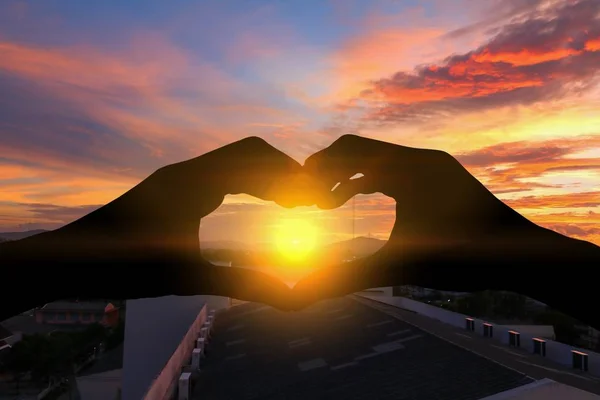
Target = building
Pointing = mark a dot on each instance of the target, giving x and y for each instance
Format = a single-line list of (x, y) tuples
[(154, 330), (26, 325), (377, 346), (77, 313)]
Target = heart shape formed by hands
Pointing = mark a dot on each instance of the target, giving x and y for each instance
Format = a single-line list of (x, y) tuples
[(446, 221), (445, 218)]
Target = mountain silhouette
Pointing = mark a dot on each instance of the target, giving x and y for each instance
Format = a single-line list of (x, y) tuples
[(7, 236), (361, 246)]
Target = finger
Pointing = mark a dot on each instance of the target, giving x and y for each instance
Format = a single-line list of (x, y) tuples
[(239, 283), (249, 285), (346, 157), (345, 191), (338, 280), (251, 166), (299, 190), (259, 169), (338, 162)]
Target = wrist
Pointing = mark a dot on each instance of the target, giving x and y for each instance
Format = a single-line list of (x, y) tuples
[(525, 262)]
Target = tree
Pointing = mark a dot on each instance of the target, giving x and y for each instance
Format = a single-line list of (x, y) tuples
[(91, 336), (508, 305), (18, 362), (474, 304), (31, 354), (116, 336), (435, 295), (566, 329), (63, 352)]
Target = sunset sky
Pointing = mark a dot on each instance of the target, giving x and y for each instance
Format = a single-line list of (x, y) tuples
[(95, 95)]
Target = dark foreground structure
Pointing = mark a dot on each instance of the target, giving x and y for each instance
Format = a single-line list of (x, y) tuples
[(340, 349)]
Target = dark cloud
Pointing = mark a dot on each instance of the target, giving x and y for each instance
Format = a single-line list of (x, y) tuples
[(574, 230), (60, 214), (545, 55), (533, 152), (570, 200), (495, 12), (44, 216), (38, 128), (573, 167), (506, 153), (509, 167)]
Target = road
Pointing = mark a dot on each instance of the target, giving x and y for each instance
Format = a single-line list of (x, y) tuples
[(517, 359)]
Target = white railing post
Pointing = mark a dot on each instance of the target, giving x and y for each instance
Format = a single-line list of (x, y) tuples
[(185, 387), (196, 356), (200, 344), (208, 327)]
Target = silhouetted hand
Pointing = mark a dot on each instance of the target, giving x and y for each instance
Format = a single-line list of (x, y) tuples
[(450, 233), (145, 243)]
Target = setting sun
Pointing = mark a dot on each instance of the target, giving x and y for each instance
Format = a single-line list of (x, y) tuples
[(295, 238)]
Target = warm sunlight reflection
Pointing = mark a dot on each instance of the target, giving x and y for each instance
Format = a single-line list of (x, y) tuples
[(295, 238)]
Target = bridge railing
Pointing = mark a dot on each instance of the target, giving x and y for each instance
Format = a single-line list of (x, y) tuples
[(165, 384), (561, 353)]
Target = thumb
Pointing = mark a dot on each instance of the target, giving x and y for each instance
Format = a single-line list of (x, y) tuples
[(238, 283)]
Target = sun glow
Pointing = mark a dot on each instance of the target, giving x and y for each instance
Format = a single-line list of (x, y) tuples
[(295, 238)]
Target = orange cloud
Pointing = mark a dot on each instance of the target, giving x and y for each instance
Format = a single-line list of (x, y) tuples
[(369, 55), (83, 126), (584, 226), (592, 45), (509, 167), (86, 67), (570, 200), (524, 57), (157, 94), (553, 182), (540, 57)]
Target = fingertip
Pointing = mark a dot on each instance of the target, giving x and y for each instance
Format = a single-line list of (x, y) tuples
[(310, 165)]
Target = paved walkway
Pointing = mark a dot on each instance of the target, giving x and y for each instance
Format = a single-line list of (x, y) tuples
[(518, 359)]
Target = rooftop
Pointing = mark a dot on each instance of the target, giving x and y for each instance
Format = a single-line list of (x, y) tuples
[(4, 333), (518, 359), (341, 348), (77, 305), (27, 325)]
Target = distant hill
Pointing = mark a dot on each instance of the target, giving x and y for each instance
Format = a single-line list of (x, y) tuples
[(360, 247), (264, 254), (4, 236)]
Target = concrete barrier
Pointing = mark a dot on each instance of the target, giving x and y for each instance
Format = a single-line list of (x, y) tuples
[(558, 352), (165, 384)]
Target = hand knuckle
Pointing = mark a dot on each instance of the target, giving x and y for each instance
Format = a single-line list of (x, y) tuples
[(255, 141), (347, 138)]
